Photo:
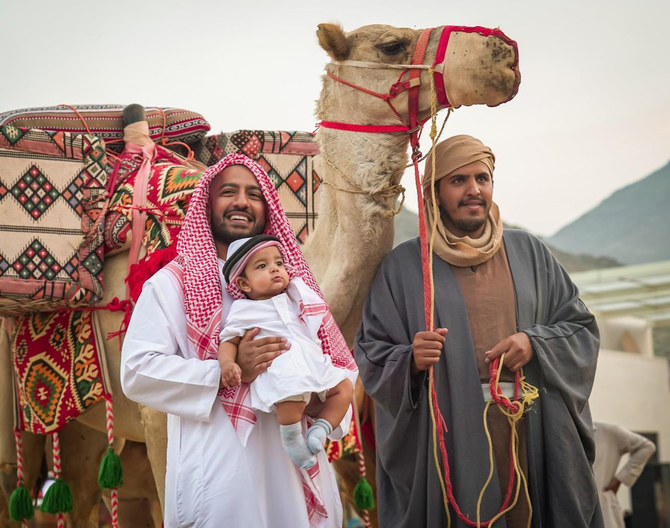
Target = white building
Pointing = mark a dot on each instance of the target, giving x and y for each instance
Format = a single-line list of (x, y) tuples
[(632, 385)]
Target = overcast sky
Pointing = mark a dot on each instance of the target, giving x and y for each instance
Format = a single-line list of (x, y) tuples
[(592, 113)]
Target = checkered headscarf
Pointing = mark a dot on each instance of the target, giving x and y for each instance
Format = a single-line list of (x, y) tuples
[(198, 263)]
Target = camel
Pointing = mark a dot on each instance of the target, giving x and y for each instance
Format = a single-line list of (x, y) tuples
[(361, 172)]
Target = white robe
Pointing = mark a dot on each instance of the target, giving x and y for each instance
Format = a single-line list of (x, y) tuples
[(300, 371), (211, 479), (612, 442)]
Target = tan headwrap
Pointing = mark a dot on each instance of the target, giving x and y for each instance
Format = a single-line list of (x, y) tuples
[(450, 155)]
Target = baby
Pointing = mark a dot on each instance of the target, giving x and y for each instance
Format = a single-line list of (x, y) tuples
[(281, 306)]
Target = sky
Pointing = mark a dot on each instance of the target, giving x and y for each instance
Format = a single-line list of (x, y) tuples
[(592, 114)]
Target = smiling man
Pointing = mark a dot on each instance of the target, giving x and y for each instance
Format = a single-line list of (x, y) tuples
[(495, 293), (225, 463)]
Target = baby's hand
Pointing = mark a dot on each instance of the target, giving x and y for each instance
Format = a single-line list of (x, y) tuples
[(231, 374)]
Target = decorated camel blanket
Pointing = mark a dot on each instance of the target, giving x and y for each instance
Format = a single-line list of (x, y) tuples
[(52, 187), (59, 368)]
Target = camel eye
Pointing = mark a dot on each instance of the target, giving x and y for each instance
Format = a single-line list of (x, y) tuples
[(392, 48)]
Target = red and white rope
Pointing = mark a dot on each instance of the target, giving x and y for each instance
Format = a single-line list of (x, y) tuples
[(109, 415), (115, 508), (19, 456), (56, 455)]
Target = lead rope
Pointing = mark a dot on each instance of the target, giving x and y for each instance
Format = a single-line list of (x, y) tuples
[(513, 410)]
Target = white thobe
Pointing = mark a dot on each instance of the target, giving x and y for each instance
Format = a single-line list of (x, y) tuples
[(300, 371), (211, 479), (612, 442)]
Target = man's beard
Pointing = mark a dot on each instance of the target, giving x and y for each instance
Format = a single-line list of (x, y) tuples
[(466, 225), (223, 235), (469, 225)]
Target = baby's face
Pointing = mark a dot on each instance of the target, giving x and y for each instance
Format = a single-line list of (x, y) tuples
[(265, 275)]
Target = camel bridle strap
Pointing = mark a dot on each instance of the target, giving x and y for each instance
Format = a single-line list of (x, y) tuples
[(411, 85)]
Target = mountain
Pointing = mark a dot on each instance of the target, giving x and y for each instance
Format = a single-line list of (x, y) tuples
[(407, 226), (630, 226)]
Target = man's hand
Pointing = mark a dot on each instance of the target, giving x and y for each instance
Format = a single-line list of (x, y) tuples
[(255, 355), (517, 349), (613, 485), (427, 349)]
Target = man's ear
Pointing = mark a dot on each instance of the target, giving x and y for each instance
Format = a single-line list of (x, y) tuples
[(333, 40), (243, 284)]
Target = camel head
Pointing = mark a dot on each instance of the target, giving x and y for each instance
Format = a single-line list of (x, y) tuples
[(472, 65)]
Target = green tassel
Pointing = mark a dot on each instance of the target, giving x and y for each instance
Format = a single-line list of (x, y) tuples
[(363, 497), (21, 504), (58, 498), (110, 475)]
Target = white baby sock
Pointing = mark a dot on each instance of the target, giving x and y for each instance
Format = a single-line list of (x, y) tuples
[(295, 446), (316, 435)]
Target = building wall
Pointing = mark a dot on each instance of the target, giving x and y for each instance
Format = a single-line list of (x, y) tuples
[(633, 391)]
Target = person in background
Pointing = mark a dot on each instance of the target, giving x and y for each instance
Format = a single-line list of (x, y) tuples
[(612, 443)]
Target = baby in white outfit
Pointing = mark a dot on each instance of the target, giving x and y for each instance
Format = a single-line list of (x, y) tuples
[(280, 306)]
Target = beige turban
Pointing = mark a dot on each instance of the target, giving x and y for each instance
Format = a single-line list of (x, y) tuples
[(454, 153), (450, 155)]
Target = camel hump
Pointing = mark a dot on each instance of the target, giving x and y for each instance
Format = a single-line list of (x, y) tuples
[(133, 113)]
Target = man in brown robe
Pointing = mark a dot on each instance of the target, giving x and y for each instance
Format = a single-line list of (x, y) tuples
[(495, 294)]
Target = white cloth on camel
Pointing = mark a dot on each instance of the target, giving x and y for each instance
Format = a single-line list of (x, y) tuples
[(304, 368), (211, 479)]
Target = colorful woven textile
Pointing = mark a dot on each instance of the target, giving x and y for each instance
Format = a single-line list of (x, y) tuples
[(59, 368), (52, 188), (168, 191), (348, 445), (287, 157), (106, 121)]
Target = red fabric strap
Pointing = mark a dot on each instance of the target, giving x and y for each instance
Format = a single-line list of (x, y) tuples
[(350, 127)]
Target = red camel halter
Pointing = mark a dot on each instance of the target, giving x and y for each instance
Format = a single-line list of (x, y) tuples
[(410, 81)]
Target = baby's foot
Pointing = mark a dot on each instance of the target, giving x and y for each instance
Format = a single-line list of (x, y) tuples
[(317, 434), (295, 446)]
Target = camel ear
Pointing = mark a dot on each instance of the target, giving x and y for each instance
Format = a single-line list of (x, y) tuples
[(333, 40)]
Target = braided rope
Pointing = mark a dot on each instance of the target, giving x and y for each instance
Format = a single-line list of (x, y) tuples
[(115, 508), (56, 455), (19, 456), (19, 465), (109, 416), (389, 191)]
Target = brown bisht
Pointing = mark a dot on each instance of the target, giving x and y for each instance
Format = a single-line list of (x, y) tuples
[(565, 341)]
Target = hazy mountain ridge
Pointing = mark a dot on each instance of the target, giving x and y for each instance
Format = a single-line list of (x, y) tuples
[(407, 226), (630, 226)]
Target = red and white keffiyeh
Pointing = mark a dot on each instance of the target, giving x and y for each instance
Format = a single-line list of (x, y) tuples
[(196, 266)]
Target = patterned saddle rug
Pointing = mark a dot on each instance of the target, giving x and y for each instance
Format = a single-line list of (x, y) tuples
[(52, 187), (59, 366)]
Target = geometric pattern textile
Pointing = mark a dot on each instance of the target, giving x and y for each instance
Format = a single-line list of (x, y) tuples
[(287, 157), (59, 368), (106, 121), (52, 189), (169, 187)]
